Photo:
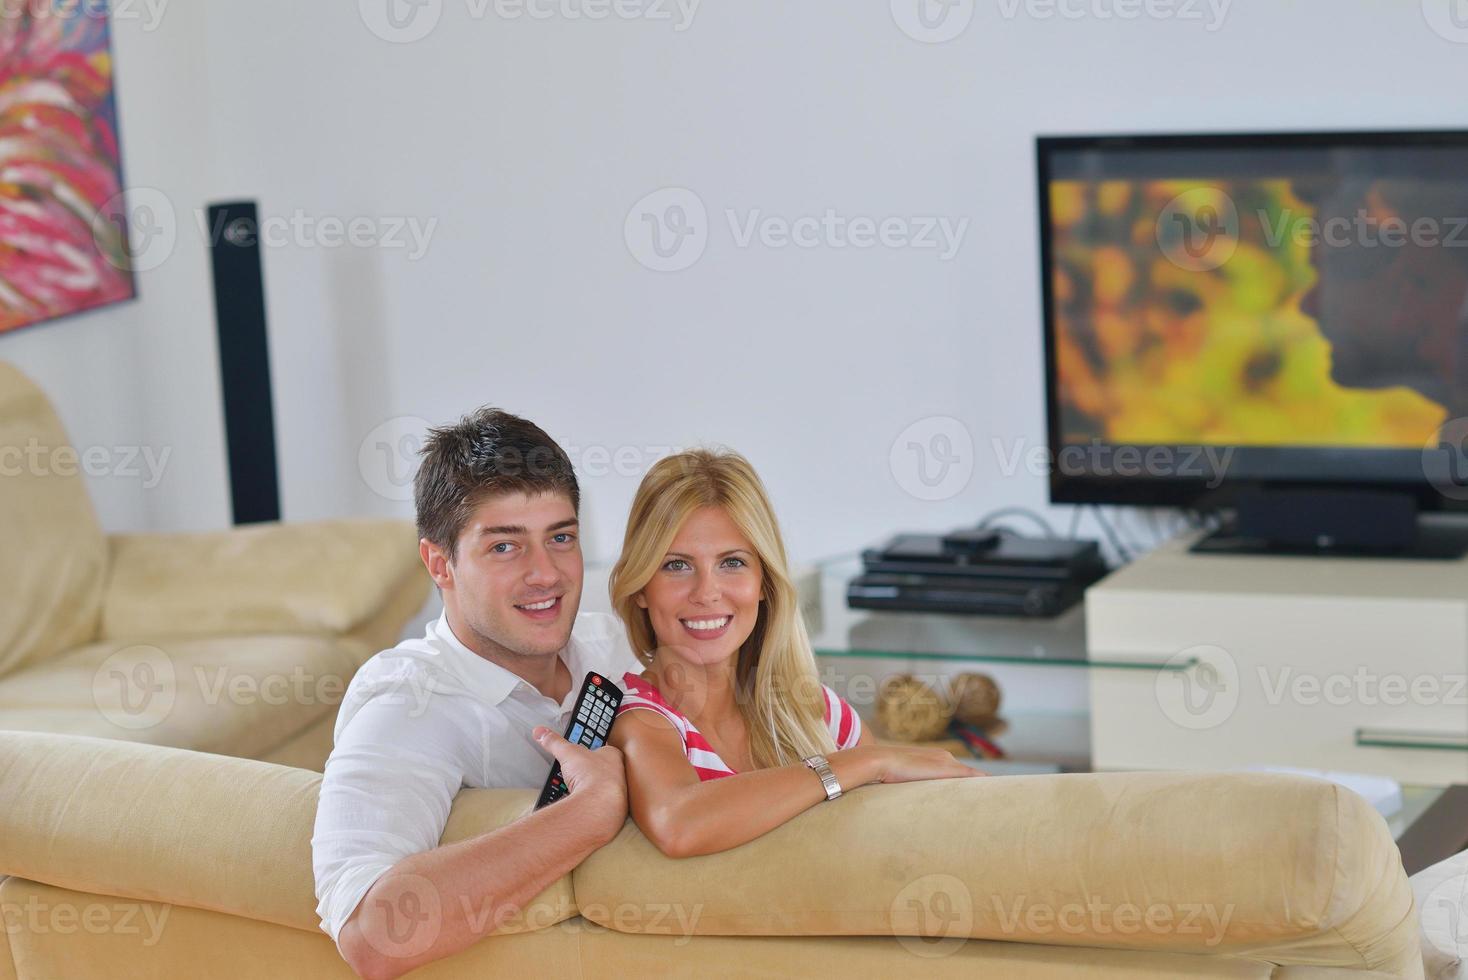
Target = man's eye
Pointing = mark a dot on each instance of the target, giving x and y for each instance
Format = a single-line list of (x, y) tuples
[(503, 548), (564, 538)]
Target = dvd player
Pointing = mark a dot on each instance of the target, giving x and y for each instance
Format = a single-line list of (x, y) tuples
[(976, 571), (1009, 556), (956, 594)]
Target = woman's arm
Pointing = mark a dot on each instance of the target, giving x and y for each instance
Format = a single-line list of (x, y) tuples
[(684, 816)]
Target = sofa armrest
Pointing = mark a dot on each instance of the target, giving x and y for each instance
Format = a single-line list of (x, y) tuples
[(329, 577), (1278, 868), (213, 832)]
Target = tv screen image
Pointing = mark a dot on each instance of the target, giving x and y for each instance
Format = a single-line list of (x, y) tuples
[(1297, 305)]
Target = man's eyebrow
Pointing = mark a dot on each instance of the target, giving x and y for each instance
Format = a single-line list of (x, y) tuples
[(503, 529), (522, 529)]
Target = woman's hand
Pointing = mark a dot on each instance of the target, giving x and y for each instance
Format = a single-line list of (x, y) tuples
[(896, 764)]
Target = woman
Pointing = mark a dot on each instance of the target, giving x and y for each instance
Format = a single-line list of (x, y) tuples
[(728, 733)]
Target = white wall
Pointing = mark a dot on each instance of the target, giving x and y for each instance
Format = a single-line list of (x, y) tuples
[(528, 141), (140, 379)]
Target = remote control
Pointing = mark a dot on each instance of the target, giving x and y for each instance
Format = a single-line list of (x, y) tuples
[(591, 723)]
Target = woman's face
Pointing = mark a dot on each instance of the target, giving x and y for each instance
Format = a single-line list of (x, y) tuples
[(704, 598)]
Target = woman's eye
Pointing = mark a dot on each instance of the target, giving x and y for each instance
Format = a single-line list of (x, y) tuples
[(734, 562), (676, 565)]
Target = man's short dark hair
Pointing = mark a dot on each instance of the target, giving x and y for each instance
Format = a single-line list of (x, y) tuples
[(485, 453)]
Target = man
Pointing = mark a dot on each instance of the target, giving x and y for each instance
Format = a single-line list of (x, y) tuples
[(1391, 291), (479, 701)]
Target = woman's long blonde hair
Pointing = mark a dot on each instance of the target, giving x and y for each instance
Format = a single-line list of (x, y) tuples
[(777, 687)]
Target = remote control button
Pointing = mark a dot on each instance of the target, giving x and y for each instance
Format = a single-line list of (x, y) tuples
[(576, 731), (597, 743)]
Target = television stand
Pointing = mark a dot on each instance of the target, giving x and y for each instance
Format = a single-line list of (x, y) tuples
[(1334, 523), (1343, 664), (1431, 544)]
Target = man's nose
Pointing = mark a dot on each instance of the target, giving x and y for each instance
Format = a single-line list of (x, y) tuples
[(542, 571), (1310, 302)]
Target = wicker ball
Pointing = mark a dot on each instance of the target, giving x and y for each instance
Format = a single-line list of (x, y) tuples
[(975, 698), (910, 711)]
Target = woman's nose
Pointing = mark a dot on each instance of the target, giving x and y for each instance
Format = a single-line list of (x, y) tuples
[(705, 589)]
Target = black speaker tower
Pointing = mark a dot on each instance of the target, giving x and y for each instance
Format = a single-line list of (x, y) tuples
[(244, 361)]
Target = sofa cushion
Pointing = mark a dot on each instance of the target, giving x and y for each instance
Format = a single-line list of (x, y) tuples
[(234, 695), (262, 578), (154, 941), (54, 558)]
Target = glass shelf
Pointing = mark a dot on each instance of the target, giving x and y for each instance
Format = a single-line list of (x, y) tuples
[(1415, 801), (1392, 738), (840, 631)]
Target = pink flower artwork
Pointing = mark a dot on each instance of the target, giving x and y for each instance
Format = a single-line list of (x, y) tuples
[(63, 237)]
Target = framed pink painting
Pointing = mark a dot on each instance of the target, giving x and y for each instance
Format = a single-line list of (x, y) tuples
[(63, 233)]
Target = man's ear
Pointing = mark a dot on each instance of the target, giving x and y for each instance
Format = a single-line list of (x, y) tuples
[(440, 569)]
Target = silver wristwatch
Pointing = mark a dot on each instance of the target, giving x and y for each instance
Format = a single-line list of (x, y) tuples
[(822, 768)]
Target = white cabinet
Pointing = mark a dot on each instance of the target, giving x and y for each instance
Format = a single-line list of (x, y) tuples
[(1350, 664)]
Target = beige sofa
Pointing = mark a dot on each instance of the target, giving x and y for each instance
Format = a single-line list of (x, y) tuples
[(239, 642), (139, 861)]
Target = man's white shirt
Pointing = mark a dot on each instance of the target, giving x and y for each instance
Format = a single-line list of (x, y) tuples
[(419, 722)]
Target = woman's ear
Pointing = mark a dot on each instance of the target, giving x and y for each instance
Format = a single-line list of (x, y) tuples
[(641, 600)]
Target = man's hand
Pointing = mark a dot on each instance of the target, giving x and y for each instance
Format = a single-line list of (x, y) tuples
[(497, 872), (595, 778)]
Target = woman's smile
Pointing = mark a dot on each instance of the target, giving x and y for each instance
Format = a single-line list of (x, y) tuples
[(707, 627)]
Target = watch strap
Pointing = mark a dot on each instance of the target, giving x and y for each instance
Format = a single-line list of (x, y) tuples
[(822, 768)]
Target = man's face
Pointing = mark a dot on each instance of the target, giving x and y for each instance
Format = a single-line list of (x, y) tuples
[(516, 579), (1391, 319), (1389, 306)]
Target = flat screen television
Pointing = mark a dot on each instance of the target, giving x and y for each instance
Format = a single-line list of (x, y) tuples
[(1233, 314)]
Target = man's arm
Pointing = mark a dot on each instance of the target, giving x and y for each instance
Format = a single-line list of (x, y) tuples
[(435, 903)]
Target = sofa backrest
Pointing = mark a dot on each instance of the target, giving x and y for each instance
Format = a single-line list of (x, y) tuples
[(1245, 866), (162, 824), (53, 555)]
